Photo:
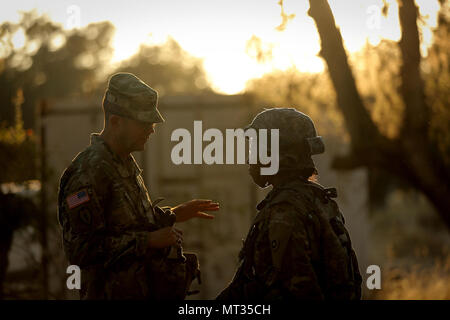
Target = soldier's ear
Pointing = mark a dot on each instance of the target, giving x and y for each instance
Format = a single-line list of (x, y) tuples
[(114, 120)]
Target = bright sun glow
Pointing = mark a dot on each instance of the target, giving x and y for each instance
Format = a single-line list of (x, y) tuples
[(218, 32)]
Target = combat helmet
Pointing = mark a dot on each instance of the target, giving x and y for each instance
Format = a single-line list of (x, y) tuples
[(298, 139)]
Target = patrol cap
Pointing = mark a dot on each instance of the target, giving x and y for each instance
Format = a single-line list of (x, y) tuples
[(129, 96)]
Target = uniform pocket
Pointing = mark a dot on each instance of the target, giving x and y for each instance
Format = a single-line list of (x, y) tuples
[(168, 280), (127, 283)]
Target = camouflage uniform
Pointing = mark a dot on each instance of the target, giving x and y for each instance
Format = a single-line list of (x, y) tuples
[(106, 215), (297, 246)]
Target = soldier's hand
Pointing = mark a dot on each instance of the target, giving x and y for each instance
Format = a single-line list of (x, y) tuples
[(165, 237), (194, 209)]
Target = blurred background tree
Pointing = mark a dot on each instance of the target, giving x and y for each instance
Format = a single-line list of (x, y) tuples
[(410, 152), (57, 63), (168, 68), (388, 102), (51, 63), (15, 212)]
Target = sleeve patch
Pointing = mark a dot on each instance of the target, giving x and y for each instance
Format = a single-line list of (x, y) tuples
[(77, 198), (279, 236)]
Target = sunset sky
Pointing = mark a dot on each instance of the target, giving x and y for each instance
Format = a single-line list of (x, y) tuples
[(217, 31)]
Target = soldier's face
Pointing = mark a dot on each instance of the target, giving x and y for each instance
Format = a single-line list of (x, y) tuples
[(255, 172), (135, 134)]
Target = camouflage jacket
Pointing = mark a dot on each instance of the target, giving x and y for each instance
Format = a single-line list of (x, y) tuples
[(106, 214), (297, 248)]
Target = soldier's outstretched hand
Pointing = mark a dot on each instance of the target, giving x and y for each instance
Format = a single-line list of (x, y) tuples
[(195, 209)]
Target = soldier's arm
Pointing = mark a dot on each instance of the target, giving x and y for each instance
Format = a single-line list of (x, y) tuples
[(292, 268), (82, 200), (195, 209)]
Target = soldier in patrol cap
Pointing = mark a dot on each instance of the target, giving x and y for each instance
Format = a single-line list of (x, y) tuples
[(297, 246), (126, 246)]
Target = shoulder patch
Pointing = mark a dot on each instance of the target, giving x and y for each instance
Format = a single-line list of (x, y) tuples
[(279, 236), (77, 198)]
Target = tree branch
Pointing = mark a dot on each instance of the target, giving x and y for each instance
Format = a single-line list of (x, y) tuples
[(358, 120), (417, 114), (412, 156)]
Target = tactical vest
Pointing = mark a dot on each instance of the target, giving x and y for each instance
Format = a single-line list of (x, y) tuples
[(334, 248), (327, 209), (171, 275)]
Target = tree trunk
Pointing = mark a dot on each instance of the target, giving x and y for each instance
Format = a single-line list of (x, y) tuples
[(412, 157)]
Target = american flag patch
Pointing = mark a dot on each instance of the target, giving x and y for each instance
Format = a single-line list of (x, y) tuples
[(77, 198)]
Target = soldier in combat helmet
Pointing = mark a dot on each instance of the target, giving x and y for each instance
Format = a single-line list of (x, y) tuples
[(297, 246), (126, 246)]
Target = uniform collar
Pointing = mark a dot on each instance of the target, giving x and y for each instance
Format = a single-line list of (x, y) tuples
[(288, 183), (125, 169)]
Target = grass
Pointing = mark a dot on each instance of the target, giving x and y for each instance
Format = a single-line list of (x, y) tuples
[(412, 245)]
